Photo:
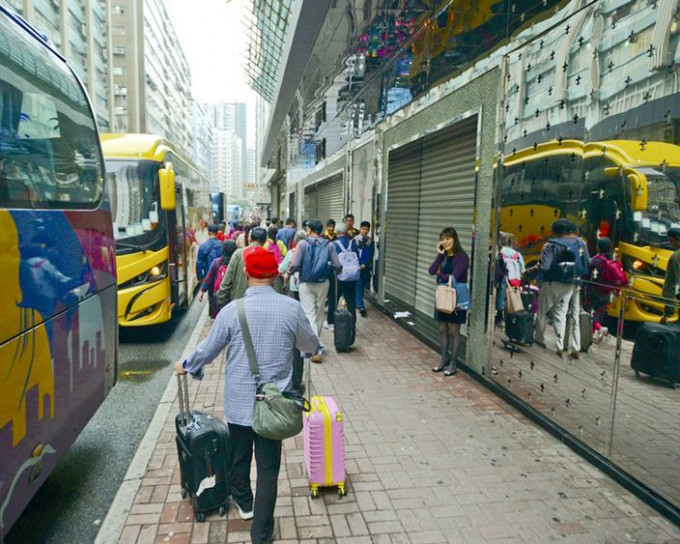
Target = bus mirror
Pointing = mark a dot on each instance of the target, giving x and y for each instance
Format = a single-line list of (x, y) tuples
[(166, 178), (638, 189)]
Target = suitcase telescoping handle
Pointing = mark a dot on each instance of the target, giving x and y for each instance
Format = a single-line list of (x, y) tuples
[(183, 389), (308, 379)]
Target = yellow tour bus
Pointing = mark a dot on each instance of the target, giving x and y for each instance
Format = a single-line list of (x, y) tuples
[(627, 190), (160, 205)]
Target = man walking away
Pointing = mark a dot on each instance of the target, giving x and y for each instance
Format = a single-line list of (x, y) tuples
[(365, 245), (348, 255), (314, 259), (286, 234), (277, 326), (208, 251), (564, 260), (234, 283), (349, 221), (671, 285)]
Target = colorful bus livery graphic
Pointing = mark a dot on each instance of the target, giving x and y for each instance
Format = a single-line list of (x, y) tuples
[(57, 266)]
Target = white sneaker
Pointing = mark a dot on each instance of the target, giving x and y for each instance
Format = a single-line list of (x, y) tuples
[(244, 515), (329, 326)]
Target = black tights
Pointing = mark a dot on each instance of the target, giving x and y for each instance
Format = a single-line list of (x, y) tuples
[(449, 338)]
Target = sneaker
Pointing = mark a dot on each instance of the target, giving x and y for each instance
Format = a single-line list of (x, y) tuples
[(575, 355), (317, 358), (363, 312), (328, 326), (245, 515)]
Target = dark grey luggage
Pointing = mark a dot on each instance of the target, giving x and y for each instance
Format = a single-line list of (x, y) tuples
[(519, 327), (345, 328), (585, 329), (203, 449), (657, 352)]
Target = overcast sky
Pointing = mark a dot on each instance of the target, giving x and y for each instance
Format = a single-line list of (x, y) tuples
[(213, 38)]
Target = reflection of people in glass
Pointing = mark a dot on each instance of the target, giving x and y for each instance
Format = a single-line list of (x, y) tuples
[(597, 295), (671, 286), (511, 269), (564, 260), (451, 260)]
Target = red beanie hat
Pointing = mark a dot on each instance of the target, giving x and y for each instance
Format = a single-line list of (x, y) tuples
[(260, 263)]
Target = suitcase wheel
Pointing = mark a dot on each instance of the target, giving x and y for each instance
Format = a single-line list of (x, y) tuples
[(637, 374), (341, 490), (184, 492), (200, 517), (315, 492), (223, 510)]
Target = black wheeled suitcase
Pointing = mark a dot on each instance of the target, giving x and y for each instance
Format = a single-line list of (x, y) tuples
[(657, 352), (345, 327), (203, 449), (519, 327)]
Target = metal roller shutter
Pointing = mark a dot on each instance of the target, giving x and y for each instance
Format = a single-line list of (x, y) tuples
[(310, 204), (447, 198), (330, 201), (401, 239)]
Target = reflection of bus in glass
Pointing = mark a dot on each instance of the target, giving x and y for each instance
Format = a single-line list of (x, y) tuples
[(58, 332), (160, 205), (627, 190)]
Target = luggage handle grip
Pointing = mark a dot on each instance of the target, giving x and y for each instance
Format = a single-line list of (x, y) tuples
[(183, 391)]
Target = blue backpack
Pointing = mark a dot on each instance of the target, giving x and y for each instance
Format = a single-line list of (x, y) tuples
[(207, 253), (569, 262), (315, 267)]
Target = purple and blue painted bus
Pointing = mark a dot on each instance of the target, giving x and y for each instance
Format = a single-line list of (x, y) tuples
[(58, 329)]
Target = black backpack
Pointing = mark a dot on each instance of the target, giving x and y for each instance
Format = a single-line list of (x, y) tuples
[(563, 266)]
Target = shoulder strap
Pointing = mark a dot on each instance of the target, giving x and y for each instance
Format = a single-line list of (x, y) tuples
[(247, 340)]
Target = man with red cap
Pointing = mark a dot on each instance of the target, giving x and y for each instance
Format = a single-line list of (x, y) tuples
[(278, 326)]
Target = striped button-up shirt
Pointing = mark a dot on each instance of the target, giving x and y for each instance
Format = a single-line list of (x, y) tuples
[(277, 326)]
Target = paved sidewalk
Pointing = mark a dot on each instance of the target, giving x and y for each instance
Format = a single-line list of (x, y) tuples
[(429, 458)]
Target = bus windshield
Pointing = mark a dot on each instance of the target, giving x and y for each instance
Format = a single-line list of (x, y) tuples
[(663, 200), (138, 222)]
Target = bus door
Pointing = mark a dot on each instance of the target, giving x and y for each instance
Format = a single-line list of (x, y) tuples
[(179, 242)]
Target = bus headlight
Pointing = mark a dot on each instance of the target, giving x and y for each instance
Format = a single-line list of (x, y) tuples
[(155, 273)]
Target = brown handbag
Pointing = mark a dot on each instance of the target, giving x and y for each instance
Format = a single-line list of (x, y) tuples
[(445, 297), (513, 299)]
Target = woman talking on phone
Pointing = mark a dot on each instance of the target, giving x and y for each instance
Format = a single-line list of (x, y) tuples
[(451, 260)]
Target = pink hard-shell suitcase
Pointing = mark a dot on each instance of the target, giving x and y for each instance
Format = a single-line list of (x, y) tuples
[(324, 443)]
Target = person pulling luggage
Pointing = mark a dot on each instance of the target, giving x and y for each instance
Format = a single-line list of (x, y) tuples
[(671, 285), (277, 325)]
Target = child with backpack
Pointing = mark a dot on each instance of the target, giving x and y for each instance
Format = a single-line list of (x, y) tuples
[(213, 280), (607, 276)]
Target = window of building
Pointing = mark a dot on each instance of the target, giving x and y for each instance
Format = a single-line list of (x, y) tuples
[(119, 50), (119, 70), (118, 30), (118, 10)]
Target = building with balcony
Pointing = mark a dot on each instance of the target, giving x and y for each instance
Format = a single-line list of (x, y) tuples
[(152, 80), (203, 134), (79, 29)]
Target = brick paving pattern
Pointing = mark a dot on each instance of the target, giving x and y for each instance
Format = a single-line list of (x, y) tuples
[(430, 459)]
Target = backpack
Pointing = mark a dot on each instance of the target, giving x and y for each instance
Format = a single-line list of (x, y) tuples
[(568, 262), (611, 272), (315, 267), (219, 274), (350, 262), (215, 251), (513, 269)]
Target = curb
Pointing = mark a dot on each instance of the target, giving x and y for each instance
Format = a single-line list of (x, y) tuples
[(114, 521)]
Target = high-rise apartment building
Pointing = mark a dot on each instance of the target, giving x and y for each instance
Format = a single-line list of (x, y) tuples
[(152, 80), (79, 30), (251, 172), (231, 149), (203, 141)]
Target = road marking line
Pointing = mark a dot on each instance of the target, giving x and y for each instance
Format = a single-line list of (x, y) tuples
[(113, 524)]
